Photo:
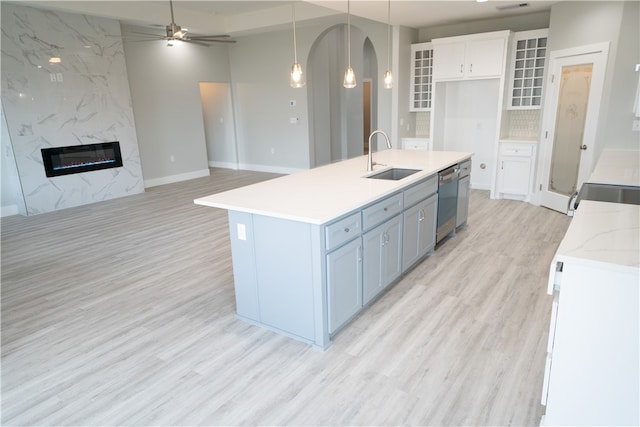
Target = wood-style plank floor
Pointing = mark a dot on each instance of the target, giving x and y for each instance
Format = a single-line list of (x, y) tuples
[(122, 313)]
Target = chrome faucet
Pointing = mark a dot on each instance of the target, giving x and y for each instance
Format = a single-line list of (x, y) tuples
[(370, 161)]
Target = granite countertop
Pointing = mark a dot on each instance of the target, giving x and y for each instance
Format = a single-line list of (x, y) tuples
[(322, 194)]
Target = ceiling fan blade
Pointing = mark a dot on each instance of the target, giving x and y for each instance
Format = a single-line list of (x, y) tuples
[(146, 34), (215, 36), (192, 39)]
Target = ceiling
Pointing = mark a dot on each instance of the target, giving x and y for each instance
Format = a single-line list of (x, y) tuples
[(241, 17)]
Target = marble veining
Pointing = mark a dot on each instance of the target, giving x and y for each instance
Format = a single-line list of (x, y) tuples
[(606, 233), (83, 99)]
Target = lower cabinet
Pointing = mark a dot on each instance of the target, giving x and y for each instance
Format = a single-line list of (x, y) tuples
[(463, 201), (515, 170), (382, 257), (419, 235), (344, 283)]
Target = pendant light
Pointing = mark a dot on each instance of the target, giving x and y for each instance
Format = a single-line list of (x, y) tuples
[(296, 79), (388, 76), (349, 76)]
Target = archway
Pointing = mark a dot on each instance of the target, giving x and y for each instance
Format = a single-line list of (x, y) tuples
[(335, 113)]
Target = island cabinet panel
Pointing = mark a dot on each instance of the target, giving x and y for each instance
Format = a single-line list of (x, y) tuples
[(592, 374), (419, 231), (382, 257), (278, 274), (344, 283)]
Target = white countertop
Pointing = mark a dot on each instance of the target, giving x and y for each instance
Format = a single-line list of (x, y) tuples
[(620, 167), (322, 194), (604, 233)]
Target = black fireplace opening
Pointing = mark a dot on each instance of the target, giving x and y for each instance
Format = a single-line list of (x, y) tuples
[(81, 158)]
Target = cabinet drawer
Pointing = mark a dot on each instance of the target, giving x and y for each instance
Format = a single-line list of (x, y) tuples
[(381, 211), (517, 150), (342, 231), (465, 168), (420, 191)]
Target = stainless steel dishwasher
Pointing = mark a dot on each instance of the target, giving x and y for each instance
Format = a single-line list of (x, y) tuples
[(447, 202)]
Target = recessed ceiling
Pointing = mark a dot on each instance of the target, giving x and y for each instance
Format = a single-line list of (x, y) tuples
[(239, 16)]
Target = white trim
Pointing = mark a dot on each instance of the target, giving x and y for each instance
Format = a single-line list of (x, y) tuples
[(8, 210), (271, 169), (599, 53), (176, 178), (223, 165)]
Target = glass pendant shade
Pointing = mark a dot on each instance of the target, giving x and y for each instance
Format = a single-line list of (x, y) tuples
[(388, 79), (296, 79), (349, 78)]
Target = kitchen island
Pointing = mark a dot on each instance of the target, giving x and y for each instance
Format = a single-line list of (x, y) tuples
[(592, 373), (312, 249)]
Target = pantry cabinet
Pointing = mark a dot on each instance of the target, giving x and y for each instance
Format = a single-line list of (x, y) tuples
[(470, 57)]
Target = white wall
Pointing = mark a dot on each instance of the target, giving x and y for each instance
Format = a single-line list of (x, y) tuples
[(582, 23), (88, 102), (165, 89)]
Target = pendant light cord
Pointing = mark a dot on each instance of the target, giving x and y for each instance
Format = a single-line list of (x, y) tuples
[(349, 32), (295, 47), (389, 35)]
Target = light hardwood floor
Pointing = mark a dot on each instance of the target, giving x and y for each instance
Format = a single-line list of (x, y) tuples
[(122, 313)]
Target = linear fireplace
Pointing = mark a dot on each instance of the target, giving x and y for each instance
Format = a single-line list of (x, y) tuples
[(81, 158)]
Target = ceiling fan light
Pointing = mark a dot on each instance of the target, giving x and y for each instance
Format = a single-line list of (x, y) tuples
[(296, 79), (349, 79), (388, 79)]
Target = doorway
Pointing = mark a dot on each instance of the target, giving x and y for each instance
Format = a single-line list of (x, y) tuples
[(572, 107), (219, 129), (366, 114)]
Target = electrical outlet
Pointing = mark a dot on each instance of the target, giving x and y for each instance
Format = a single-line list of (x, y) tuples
[(636, 125), (292, 103)]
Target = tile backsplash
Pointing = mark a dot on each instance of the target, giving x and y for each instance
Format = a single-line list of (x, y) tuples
[(521, 124), (423, 123)]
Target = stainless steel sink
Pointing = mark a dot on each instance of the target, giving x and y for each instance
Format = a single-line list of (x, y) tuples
[(393, 174)]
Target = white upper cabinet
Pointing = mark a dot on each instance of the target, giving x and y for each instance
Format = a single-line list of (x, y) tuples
[(527, 63), (420, 90), (476, 56)]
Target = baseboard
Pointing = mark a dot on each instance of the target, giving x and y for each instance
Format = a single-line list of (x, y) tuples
[(271, 169), (176, 178), (9, 210), (224, 165)]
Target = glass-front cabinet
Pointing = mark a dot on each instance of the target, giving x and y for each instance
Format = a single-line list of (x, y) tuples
[(420, 92), (527, 69)]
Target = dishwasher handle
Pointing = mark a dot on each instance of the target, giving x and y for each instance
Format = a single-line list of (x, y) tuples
[(448, 175)]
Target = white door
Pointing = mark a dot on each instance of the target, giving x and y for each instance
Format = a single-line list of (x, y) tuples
[(571, 111)]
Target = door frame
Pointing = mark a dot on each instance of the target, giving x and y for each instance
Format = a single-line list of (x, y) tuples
[(600, 53)]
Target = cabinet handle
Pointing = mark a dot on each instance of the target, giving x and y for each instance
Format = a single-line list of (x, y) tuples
[(502, 165), (359, 253), (385, 209), (471, 68), (421, 215), (346, 229), (461, 68)]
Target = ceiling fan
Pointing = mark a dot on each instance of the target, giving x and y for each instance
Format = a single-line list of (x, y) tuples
[(175, 32)]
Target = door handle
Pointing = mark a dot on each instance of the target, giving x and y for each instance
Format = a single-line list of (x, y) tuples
[(583, 147)]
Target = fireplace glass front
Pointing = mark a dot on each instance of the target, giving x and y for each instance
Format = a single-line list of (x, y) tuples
[(81, 158)]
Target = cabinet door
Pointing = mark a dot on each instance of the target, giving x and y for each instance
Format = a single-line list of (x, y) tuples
[(420, 89), (485, 58), (463, 201), (419, 235), (344, 283), (514, 174), (527, 69), (448, 61), (382, 259)]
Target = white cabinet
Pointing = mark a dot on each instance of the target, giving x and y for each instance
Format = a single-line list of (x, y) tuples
[(592, 371), (527, 69), (515, 170), (470, 57), (420, 89)]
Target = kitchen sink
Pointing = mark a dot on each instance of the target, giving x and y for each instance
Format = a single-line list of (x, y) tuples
[(393, 174)]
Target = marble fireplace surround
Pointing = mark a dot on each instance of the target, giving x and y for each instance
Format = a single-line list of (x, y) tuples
[(83, 99)]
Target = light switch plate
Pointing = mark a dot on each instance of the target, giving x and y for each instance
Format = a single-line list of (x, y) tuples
[(242, 231)]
